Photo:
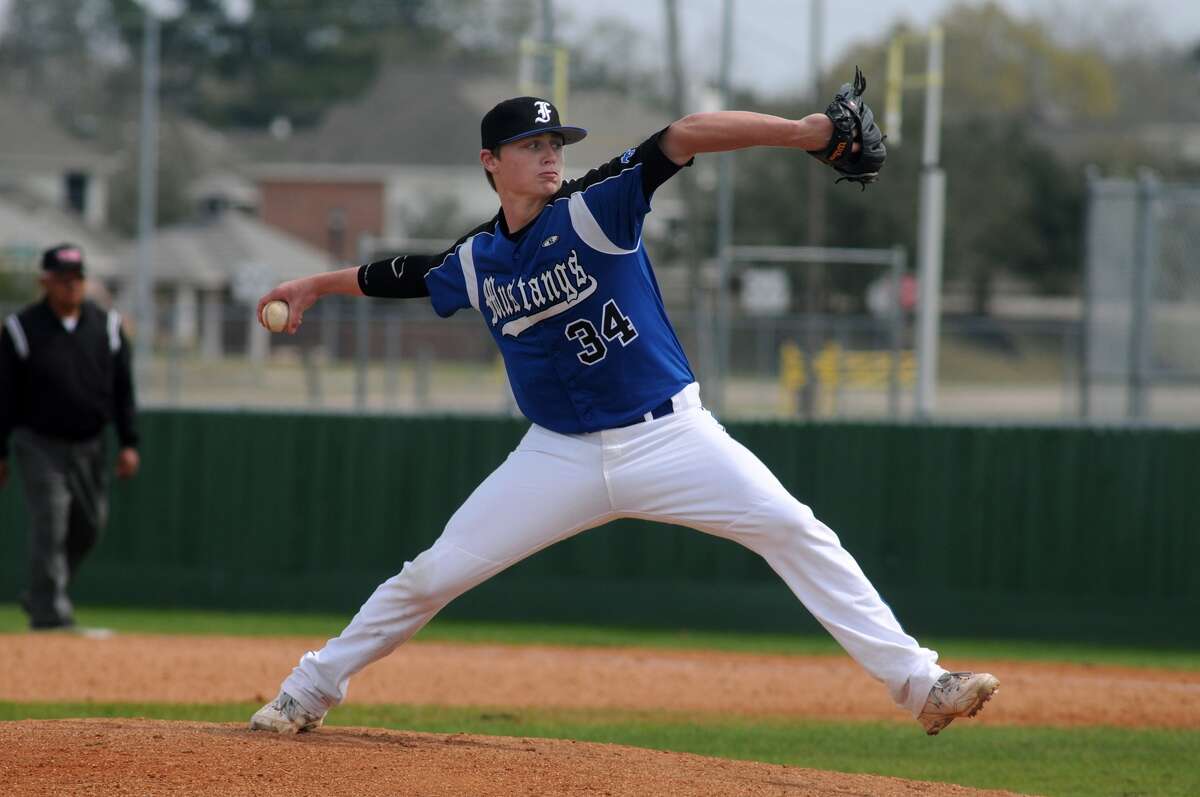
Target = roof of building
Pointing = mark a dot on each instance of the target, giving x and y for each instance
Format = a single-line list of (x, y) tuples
[(228, 249), (32, 139), (27, 228), (429, 114)]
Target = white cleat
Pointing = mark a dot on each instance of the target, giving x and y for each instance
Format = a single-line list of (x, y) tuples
[(285, 715), (956, 694)]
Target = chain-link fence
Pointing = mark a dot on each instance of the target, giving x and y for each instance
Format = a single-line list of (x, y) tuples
[(1141, 343), (1133, 352), (373, 355)]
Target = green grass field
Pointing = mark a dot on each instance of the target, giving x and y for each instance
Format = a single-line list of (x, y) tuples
[(197, 621), (1044, 761)]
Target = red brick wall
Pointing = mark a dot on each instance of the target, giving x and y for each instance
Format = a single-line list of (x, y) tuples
[(304, 209)]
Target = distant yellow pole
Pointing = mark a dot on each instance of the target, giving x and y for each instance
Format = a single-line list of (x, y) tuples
[(528, 82), (931, 213), (894, 91), (560, 80)]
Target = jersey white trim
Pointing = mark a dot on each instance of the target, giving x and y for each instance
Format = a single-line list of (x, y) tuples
[(606, 179), (439, 265), (589, 230), (114, 331), (17, 333), (519, 325), (467, 258)]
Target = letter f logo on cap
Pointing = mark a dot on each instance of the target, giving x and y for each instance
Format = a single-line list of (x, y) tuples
[(520, 117)]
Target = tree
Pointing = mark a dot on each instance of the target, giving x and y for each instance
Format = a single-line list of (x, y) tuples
[(286, 58), (1003, 66), (50, 45), (1013, 207), (610, 54), (1014, 203), (290, 58), (62, 52), (178, 165)]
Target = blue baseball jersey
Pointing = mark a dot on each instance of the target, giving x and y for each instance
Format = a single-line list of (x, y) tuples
[(571, 299)]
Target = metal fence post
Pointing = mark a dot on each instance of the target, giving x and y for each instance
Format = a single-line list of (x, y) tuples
[(362, 331), (1091, 175), (1143, 280), (145, 310), (391, 358), (897, 330)]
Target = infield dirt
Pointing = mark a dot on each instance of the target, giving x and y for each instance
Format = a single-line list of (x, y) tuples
[(148, 757)]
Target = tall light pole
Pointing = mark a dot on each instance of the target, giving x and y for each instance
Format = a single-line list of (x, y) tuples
[(547, 66), (147, 191), (705, 352), (724, 219), (930, 234), (817, 178)]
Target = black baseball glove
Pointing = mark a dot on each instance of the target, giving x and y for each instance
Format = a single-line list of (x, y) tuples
[(853, 122)]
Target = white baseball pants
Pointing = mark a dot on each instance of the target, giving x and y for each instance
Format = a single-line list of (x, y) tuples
[(683, 469)]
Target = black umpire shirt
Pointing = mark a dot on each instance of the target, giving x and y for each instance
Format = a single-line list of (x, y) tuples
[(65, 384)]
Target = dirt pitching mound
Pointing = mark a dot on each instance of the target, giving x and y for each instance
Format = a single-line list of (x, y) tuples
[(143, 757)]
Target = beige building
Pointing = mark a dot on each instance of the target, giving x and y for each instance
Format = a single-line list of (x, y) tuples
[(53, 188), (398, 165), (401, 162)]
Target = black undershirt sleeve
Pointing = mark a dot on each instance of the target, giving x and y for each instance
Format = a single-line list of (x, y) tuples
[(657, 168), (400, 277), (403, 276)]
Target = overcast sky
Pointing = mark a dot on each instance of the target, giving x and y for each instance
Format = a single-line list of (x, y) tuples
[(771, 42)]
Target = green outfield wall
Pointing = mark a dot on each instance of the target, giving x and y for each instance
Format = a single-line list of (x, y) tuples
[(1064, 532)]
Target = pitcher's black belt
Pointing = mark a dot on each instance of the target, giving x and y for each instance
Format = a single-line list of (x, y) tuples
[(662, 410)]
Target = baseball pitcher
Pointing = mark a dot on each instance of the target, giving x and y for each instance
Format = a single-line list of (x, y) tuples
[(562, 282)]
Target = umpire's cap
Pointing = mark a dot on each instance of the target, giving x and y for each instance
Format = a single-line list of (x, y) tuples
[(521, 117), (64, 258)]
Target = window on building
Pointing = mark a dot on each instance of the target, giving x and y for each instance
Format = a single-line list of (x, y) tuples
[(336, 230), (77, 185)]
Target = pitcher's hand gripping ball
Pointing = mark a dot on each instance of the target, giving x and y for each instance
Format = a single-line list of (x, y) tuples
[(275, 315), (853, 122)]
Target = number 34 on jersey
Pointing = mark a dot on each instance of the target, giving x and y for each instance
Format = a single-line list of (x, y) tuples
[(615, 327)]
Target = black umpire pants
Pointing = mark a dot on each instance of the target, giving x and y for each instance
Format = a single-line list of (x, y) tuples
[(66, 498)]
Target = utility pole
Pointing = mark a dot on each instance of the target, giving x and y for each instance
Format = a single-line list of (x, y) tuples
[(930, 234), (691, 208), (147, 192), (724, 221), (818, 175), (548, 40)]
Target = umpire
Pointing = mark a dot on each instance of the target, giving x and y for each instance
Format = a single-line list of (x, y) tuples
[(64, 376)]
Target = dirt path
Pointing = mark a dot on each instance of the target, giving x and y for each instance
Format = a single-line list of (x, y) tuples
[(144, 757), (177, 669)]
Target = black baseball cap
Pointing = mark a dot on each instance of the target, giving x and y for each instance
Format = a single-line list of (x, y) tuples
[(521, 117), (62, 259)]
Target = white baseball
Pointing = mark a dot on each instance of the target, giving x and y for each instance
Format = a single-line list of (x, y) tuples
[(275, 315)]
